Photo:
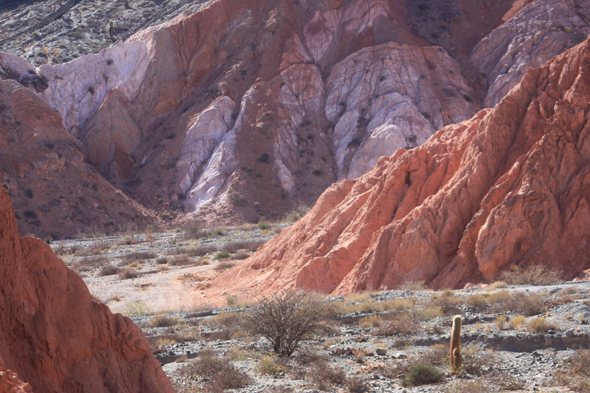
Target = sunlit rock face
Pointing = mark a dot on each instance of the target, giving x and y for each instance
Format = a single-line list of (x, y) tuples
[(509, 187), (55, 335), (241, 111)]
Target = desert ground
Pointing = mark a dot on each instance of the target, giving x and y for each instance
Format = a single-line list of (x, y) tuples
[(528, 333)]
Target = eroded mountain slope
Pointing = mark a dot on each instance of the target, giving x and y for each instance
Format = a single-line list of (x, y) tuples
[(247, 109), (510, 187), (55, 335)]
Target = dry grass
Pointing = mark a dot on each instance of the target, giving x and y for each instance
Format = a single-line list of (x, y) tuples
[(496, 285), (238, 246), (193, 251), (576, 375), (478, 386), (370, 321), (516, 322), (540, 325), (501, 322)]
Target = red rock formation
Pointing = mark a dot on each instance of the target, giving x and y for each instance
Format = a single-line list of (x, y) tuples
[(509, 187), (55, 335), (42, 167), (10, 383)]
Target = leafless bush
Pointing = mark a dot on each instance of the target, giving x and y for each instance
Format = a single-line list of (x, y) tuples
[(287, 319), (221, 374), (531, 275), (163, 321), (520, 303), (89, 263), (138, 256), (128, 273), (324, 376), (108, 270), (162, 261)]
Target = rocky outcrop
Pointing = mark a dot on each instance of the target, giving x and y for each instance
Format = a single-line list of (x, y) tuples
[(247, 109), (42, 167), (510, 187), (55, 335), (542, 30), (10, 383)]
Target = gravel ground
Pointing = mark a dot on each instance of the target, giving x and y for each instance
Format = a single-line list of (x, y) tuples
[(54, 31), (510, 359)]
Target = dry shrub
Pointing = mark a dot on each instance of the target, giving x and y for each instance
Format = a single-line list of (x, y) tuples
[(531, 275), (271, 365), (163, 321), (224, 265), (521, 303), (108, 270), (89, 263), (197, 232), (403, 325), (577, 372), (162, 261), (181, 260), (129, 240), (240, 255), (221, 373), (128, 273), (287, 319), (448, 302), (501, 322), (476, 360), (496, 285), (325, 376), (478, 386), (516, 322), (540, 325), (422, 373), (237, 246), (370, 321), (193, 251), (412, 286), (478, 302), (356, 385), (138, 256)]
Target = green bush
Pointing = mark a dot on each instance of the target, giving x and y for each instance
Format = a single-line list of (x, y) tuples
[(422, 374)]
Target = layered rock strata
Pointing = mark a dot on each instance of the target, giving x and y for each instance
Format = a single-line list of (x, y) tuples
[(55, 335), (510, 187)]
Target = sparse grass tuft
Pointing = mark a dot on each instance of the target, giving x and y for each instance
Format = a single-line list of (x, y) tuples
[(540, 325), (516, 322)]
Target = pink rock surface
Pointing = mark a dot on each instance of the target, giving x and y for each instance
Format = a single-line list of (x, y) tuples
[(55, 335), (509, 187)]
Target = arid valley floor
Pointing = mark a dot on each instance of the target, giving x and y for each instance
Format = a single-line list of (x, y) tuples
[(516, 337)]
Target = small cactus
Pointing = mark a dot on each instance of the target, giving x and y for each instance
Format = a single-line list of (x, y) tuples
[(456, 358), (111, 30)]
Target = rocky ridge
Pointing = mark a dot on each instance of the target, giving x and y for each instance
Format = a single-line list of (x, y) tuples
[(56, 336), (257, 110), (507, 188)]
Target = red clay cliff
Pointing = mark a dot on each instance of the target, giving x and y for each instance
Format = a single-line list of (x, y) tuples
[(55, 335)]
